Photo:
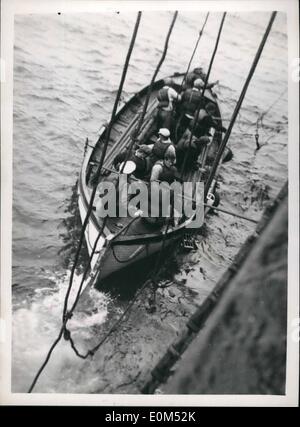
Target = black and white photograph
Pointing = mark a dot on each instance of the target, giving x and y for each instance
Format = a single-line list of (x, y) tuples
[(149, 207)]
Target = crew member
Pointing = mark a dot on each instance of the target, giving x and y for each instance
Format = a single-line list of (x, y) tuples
[(190, 101), (161, 198), (139, 157), (163, 147), (167, 96), (201, 125), (164, 170), (188, 149), (197, 73)]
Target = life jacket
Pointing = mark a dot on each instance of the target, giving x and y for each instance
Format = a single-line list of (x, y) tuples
[(159, 150), (190, 101), (167, 174), (203, 124), (141, 166), (163, 97)]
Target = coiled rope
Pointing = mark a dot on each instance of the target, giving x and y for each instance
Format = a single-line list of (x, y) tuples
[(98, 173)]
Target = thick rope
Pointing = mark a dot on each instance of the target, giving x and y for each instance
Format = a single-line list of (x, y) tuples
[(128, 153), (194, 51), (203, 90), (106, 142), (162, 370), (65, 317), (142, 116), (206, 80), (238, 106)]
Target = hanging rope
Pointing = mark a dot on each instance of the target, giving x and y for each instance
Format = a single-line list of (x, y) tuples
[(238, 106), (151, 279), (65, 318), (203, 91), (259, 122), (142, 116), (98, 173), (163, 368), (194, 51), (91, 352)]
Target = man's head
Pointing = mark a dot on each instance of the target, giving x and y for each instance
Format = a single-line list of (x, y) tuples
[(200, 142), (168, 81), (164, 135), (210, 108), (169, 161), (198, 84), (128, 167), (198, 70), (143, 151)]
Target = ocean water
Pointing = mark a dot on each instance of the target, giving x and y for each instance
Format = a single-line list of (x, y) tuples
[(66, 75)]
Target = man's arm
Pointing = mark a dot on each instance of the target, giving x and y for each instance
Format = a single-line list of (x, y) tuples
[(119, 158), (171, 152), (155, 173)]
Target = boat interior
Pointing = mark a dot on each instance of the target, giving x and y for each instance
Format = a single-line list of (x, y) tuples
[(120, 138)]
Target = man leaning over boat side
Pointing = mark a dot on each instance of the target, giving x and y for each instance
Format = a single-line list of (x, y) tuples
[(201, 125), (197, 73), (190, 148)]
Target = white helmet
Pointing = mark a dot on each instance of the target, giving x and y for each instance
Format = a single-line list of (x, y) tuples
[(164, 132), (128, 168), (198, 84)]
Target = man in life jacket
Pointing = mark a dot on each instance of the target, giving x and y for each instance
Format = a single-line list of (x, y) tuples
[(188, 149), (163, 147), (190, 101), (140, 157), (201, 125), (197, 73), (161, 197), (167, 96), (164, 170)]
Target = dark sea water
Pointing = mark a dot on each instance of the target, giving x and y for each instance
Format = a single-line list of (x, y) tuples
[(66, 74)]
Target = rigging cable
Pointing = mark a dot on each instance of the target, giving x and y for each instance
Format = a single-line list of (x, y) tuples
[(67, 332), (194, 51), (238, 105), (207, 185), (141, 119), (65, 318), (203, 90), (98, 172)]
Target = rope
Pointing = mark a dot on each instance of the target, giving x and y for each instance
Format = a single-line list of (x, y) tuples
[(203, 90), (156, 270), (67, 332), (98, 173), (163, 368), (194, 51), (65, 316), (142, 116), (238, 105), (231, 213)]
